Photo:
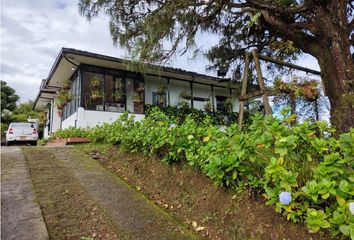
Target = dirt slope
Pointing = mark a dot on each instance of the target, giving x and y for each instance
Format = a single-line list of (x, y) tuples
[(191, 197)]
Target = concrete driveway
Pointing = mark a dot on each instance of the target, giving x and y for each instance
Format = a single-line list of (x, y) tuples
[(21, 217)]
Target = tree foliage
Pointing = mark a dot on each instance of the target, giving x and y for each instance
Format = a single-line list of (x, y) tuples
[(8, 97), (282, 28)]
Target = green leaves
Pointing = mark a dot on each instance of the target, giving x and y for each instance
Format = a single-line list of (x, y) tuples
[(316, 219), (267, 156)]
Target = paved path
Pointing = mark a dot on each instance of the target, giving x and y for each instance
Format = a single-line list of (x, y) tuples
[(21, 217), (126, 207)]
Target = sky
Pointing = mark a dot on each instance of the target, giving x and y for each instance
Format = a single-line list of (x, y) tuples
[(33, 32)]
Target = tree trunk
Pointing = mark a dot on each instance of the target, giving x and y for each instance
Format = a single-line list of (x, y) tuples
[(337, 68), (338, 79)]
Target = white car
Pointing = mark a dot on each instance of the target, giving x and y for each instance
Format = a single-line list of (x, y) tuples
[(21, 132)]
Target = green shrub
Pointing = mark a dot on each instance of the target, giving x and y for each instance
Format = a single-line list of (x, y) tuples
[(70, 132), (268, 156)]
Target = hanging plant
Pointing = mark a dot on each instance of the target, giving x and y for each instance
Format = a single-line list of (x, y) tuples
[(95, 95), (207, 105), (43, 117), (308, 90), (185, 95), (228, 105), (95, 82), (63, 98), (67, 84), (140, 88), (161, 90), (137, 97), (118, 96)]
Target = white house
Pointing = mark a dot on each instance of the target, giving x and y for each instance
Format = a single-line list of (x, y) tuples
[(103, 87)]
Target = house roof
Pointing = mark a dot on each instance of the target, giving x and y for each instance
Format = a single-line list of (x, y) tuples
[(69, 59)]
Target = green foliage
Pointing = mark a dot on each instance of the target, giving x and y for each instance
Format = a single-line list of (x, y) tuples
[(24, 111), (8, 97), (269, 157), (70, 132)]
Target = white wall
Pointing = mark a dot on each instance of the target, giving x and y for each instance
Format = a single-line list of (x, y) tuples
[(203, 91), (56, 120), (89, 118), (70, 121), (175, 88), (152, 84), (235, 101)]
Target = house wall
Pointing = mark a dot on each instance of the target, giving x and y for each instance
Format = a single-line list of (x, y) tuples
[(203, 91), (69, 121), (56, 120), (152, 84), (89, 118), (176, 88), (235, 102)]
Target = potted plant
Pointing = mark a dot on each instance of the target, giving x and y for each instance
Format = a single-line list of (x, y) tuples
[(95, 95), (185, 95), (228, 105), (95, 82), (161, 90), (207, 105), (137, 97), (66, 84), (63, 98), (43, 117), (118, 96), (140, 88)]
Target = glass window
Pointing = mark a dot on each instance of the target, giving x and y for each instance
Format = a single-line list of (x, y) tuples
[(93, 84), (71, 106), (115, 94), (159, 99), (223, 104)]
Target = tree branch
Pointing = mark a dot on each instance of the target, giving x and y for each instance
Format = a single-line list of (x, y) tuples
[(290, 32), (298, 8)]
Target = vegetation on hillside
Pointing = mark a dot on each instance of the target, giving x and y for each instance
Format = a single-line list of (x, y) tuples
[(301, 169)]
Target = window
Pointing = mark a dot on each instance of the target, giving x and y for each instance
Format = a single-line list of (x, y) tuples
[(159, 99), (93, 84), (223, 104), (115, 94), (71, 107), (111, 90)]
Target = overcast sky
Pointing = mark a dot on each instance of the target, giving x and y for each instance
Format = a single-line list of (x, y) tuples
[(34, 31)]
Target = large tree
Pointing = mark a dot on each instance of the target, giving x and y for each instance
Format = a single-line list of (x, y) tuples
[(8, 97), (284, 28)]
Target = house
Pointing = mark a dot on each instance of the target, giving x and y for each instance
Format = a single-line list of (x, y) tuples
[(98, 88)]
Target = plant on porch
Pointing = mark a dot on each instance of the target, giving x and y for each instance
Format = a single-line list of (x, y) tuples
[(66, 84), (162, 90), (207, 105), (118, 94), (63, 98), (95, 85)]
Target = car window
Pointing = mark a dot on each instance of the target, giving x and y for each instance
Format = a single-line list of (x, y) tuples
[(21, 125)]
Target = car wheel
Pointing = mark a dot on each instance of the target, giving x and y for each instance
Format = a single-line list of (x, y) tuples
[(34, 143), (8, 143)]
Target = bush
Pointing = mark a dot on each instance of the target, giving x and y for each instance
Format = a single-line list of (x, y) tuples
[(70, 132), (302, 170)]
